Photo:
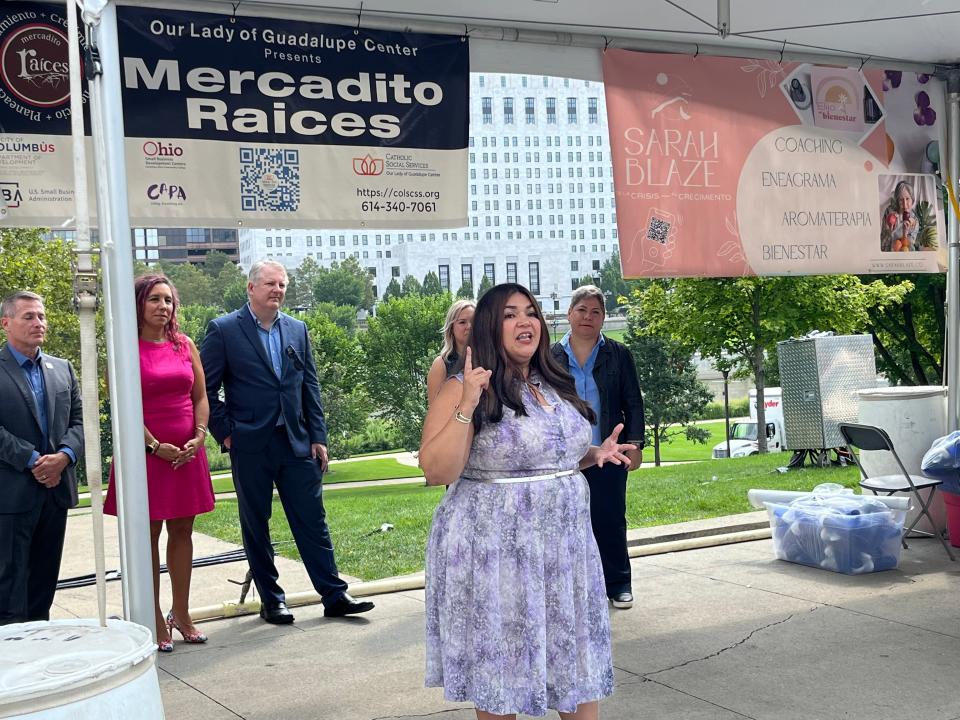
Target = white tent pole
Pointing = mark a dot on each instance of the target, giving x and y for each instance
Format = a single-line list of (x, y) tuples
[(123, 358), (953, 255), (85, 298)]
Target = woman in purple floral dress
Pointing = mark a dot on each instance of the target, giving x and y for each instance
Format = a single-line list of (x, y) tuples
[(517, 618)]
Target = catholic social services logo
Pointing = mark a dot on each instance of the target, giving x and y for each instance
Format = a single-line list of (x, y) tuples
[(368, 165), (34, 65)]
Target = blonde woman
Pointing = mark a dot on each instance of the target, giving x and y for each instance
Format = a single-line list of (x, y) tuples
[(456, 334)]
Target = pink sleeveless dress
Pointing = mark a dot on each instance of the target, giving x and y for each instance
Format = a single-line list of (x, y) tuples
[(166, 377)]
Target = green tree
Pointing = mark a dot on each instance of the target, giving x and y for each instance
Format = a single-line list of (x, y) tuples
[(393, 290), (586, 280), (400, 344), (344, 283), (411, 286), (431, 284), (28, 262), (673, 397), (214, 262), (909, 337), (466, 291), (613, 284), (343, 316), (194, 287), (302, 282), (340, 366), (744, 318), (234, 296), (485, 285), (194, 320)]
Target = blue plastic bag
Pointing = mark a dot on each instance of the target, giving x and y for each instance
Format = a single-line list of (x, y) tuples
[(942, 461)]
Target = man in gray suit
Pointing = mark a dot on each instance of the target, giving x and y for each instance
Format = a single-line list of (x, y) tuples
[(41, 437)]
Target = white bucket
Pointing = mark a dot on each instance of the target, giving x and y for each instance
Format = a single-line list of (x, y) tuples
[(76, 669), (913, 416)]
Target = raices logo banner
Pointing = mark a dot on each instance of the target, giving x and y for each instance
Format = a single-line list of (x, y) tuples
[(252, 121), (728, 167)]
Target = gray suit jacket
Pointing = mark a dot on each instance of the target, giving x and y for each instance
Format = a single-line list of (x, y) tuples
[(20, 432)]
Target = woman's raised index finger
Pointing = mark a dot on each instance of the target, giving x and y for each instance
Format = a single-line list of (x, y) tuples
[(467, 362)]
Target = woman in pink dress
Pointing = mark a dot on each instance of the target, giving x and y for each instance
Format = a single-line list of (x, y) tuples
[(175, 414)]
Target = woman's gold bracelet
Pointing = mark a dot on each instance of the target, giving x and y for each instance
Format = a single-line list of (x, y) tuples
[(460, 417), (203, 429)]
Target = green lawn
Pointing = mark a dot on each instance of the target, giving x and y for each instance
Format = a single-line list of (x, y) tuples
[(679, 448), (340, 472), (655, 496)]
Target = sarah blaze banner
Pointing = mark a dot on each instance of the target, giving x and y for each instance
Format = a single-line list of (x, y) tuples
[(253, 121), (730, 167)]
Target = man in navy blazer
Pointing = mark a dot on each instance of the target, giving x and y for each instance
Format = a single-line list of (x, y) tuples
[(41, 437), (271, 420)]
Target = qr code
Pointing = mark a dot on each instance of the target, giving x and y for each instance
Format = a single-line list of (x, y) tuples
[(658, 230), (269, 179)]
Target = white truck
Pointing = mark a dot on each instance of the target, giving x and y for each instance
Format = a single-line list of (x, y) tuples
[(743, 434)]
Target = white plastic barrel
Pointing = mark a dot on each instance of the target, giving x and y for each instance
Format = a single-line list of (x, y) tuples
[(913, 416), (78, 670)]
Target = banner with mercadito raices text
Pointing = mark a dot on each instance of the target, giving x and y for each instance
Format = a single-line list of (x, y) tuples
[(725, 167), (245, 121)]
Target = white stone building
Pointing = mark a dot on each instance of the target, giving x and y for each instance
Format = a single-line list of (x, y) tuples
[(540, 195)]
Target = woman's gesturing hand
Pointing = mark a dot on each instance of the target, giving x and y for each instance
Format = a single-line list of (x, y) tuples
[(612, 451), (475, 381)]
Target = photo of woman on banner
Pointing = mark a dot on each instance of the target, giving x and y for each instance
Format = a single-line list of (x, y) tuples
[(908, 214)]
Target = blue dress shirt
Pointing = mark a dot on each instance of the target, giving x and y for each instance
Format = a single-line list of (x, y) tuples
[(586, 384), (34, 374), (271, 341)]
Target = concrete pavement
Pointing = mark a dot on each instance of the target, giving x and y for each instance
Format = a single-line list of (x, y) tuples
[(723, 632)]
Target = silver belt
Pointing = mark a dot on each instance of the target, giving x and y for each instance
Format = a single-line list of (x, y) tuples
[(527, 478)]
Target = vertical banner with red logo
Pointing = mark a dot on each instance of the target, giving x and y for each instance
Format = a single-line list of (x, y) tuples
[(730, 167), (253, 121)]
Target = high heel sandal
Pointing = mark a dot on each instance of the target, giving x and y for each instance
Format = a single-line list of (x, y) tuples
[(188, 637), (165, 646)]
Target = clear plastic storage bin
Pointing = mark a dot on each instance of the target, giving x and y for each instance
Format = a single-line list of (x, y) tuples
[(842, 532)]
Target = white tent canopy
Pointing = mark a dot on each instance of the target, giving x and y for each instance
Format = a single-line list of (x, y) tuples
[(886, 33), (551, 37)]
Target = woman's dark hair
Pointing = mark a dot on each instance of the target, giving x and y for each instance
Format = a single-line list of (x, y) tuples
[(506, 383), (142, 287)]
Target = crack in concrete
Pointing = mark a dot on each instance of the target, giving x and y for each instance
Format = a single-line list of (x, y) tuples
[(703, 700), (419, 715), (198, 690), (740, 642)]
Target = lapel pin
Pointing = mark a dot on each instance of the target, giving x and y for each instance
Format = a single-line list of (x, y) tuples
[(48, 366)]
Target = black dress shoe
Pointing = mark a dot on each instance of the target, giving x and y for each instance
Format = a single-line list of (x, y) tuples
[(276, 614), (346, 605)]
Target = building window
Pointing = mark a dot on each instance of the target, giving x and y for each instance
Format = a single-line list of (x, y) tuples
[(596, 263), (466, 274), (592, 110), (534, 270), (490, 272), (574, 265), (571, 111), (530, 111), (395, 271), (486, 105), (511, 272), (551, 111), (508, 111), (444, 272)]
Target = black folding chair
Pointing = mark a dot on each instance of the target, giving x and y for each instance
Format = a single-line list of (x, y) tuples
[(868, 437)]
